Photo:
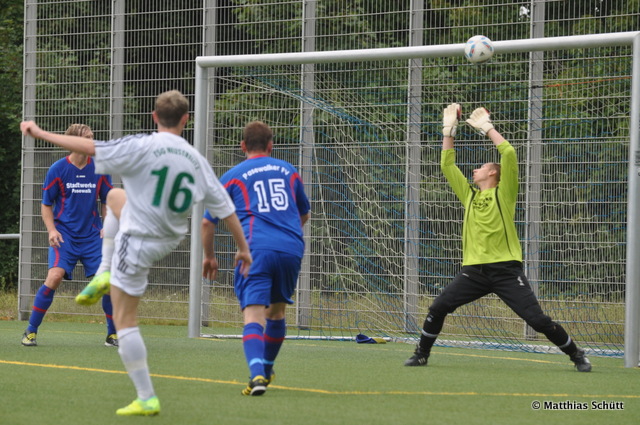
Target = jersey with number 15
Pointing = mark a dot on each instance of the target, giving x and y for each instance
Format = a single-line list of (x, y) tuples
[(269, 198), (163, 176)]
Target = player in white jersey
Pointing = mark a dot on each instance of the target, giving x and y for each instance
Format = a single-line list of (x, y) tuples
[(167, 175), (163, 177)]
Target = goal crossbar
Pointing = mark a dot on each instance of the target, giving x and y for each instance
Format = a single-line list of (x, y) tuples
[(444, 50), (632, 293)]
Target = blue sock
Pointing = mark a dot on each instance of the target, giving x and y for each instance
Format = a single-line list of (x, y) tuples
[(41, 304), (108, 312), (253, 344), (273, 338)]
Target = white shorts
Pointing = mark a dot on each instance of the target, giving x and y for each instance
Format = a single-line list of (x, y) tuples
[(133, 256)]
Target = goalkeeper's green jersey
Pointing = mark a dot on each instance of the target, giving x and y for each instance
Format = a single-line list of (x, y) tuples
[(488, 231)]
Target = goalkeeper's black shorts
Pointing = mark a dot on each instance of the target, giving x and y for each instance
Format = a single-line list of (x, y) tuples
[(505, 279)]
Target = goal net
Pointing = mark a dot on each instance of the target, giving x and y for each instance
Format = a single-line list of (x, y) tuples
[(364, 129)]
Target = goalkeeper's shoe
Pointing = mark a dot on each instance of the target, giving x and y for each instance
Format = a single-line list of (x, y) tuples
[(92, 293), (419, 358), (140, 407), (111, 341), (257, 386), (581, 361), (29, 339)]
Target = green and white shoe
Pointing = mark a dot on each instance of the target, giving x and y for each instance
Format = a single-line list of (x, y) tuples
[(139, 407), (94, 291)]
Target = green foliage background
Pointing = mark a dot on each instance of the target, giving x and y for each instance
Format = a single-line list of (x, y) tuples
[(11, 18)]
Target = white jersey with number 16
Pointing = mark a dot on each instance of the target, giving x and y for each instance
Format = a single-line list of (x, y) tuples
[(163, 176)]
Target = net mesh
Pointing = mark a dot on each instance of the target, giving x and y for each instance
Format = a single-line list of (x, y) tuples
[(570, 214)]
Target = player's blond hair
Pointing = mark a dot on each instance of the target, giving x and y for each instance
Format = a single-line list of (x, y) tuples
[(170, 108), (81, 130)]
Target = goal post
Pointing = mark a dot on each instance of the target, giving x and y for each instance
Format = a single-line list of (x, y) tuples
[(632, 312), (365, 125)]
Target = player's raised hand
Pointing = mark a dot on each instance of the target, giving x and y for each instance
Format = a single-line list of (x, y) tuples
[(450, 117), (480, 120), (30, 128)]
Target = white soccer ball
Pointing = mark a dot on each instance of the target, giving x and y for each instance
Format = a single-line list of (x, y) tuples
[(478, 49)]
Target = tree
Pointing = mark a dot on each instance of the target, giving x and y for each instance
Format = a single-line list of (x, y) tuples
[(11, 23)]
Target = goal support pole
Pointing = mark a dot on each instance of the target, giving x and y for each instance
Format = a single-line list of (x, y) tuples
[(195, 263)]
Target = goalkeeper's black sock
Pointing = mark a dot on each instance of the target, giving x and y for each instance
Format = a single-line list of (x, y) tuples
[(430, 331), (560, 338)]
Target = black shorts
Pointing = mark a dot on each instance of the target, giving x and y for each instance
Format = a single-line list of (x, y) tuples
[(505, 279)]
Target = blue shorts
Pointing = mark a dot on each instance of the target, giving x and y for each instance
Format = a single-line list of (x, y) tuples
[(88, 252), (272, 279)]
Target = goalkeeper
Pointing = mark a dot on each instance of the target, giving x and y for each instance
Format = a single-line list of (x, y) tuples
[(492, 256)]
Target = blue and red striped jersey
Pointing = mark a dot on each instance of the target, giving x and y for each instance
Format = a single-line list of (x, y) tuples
[(269, 197), (74, 195)]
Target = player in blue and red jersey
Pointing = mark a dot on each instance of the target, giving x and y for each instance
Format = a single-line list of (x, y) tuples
[(272, 206), (70, 196)]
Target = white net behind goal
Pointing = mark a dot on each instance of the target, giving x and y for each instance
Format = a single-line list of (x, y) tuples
[(384, 237)]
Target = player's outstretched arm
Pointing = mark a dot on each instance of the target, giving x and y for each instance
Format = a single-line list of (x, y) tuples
[(243, 254), (450, 117), (480, 120), (73, 143)]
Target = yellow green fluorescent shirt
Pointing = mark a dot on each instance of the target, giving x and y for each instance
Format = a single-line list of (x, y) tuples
[(488, 231)]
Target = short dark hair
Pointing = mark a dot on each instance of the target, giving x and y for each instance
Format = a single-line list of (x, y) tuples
[(171, 107), (256, 136)]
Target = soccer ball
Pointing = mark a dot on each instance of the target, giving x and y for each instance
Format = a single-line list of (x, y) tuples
[(478, 49)]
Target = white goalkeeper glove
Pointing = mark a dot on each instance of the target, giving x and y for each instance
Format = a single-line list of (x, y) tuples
[(479, 119), (450, 118)]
